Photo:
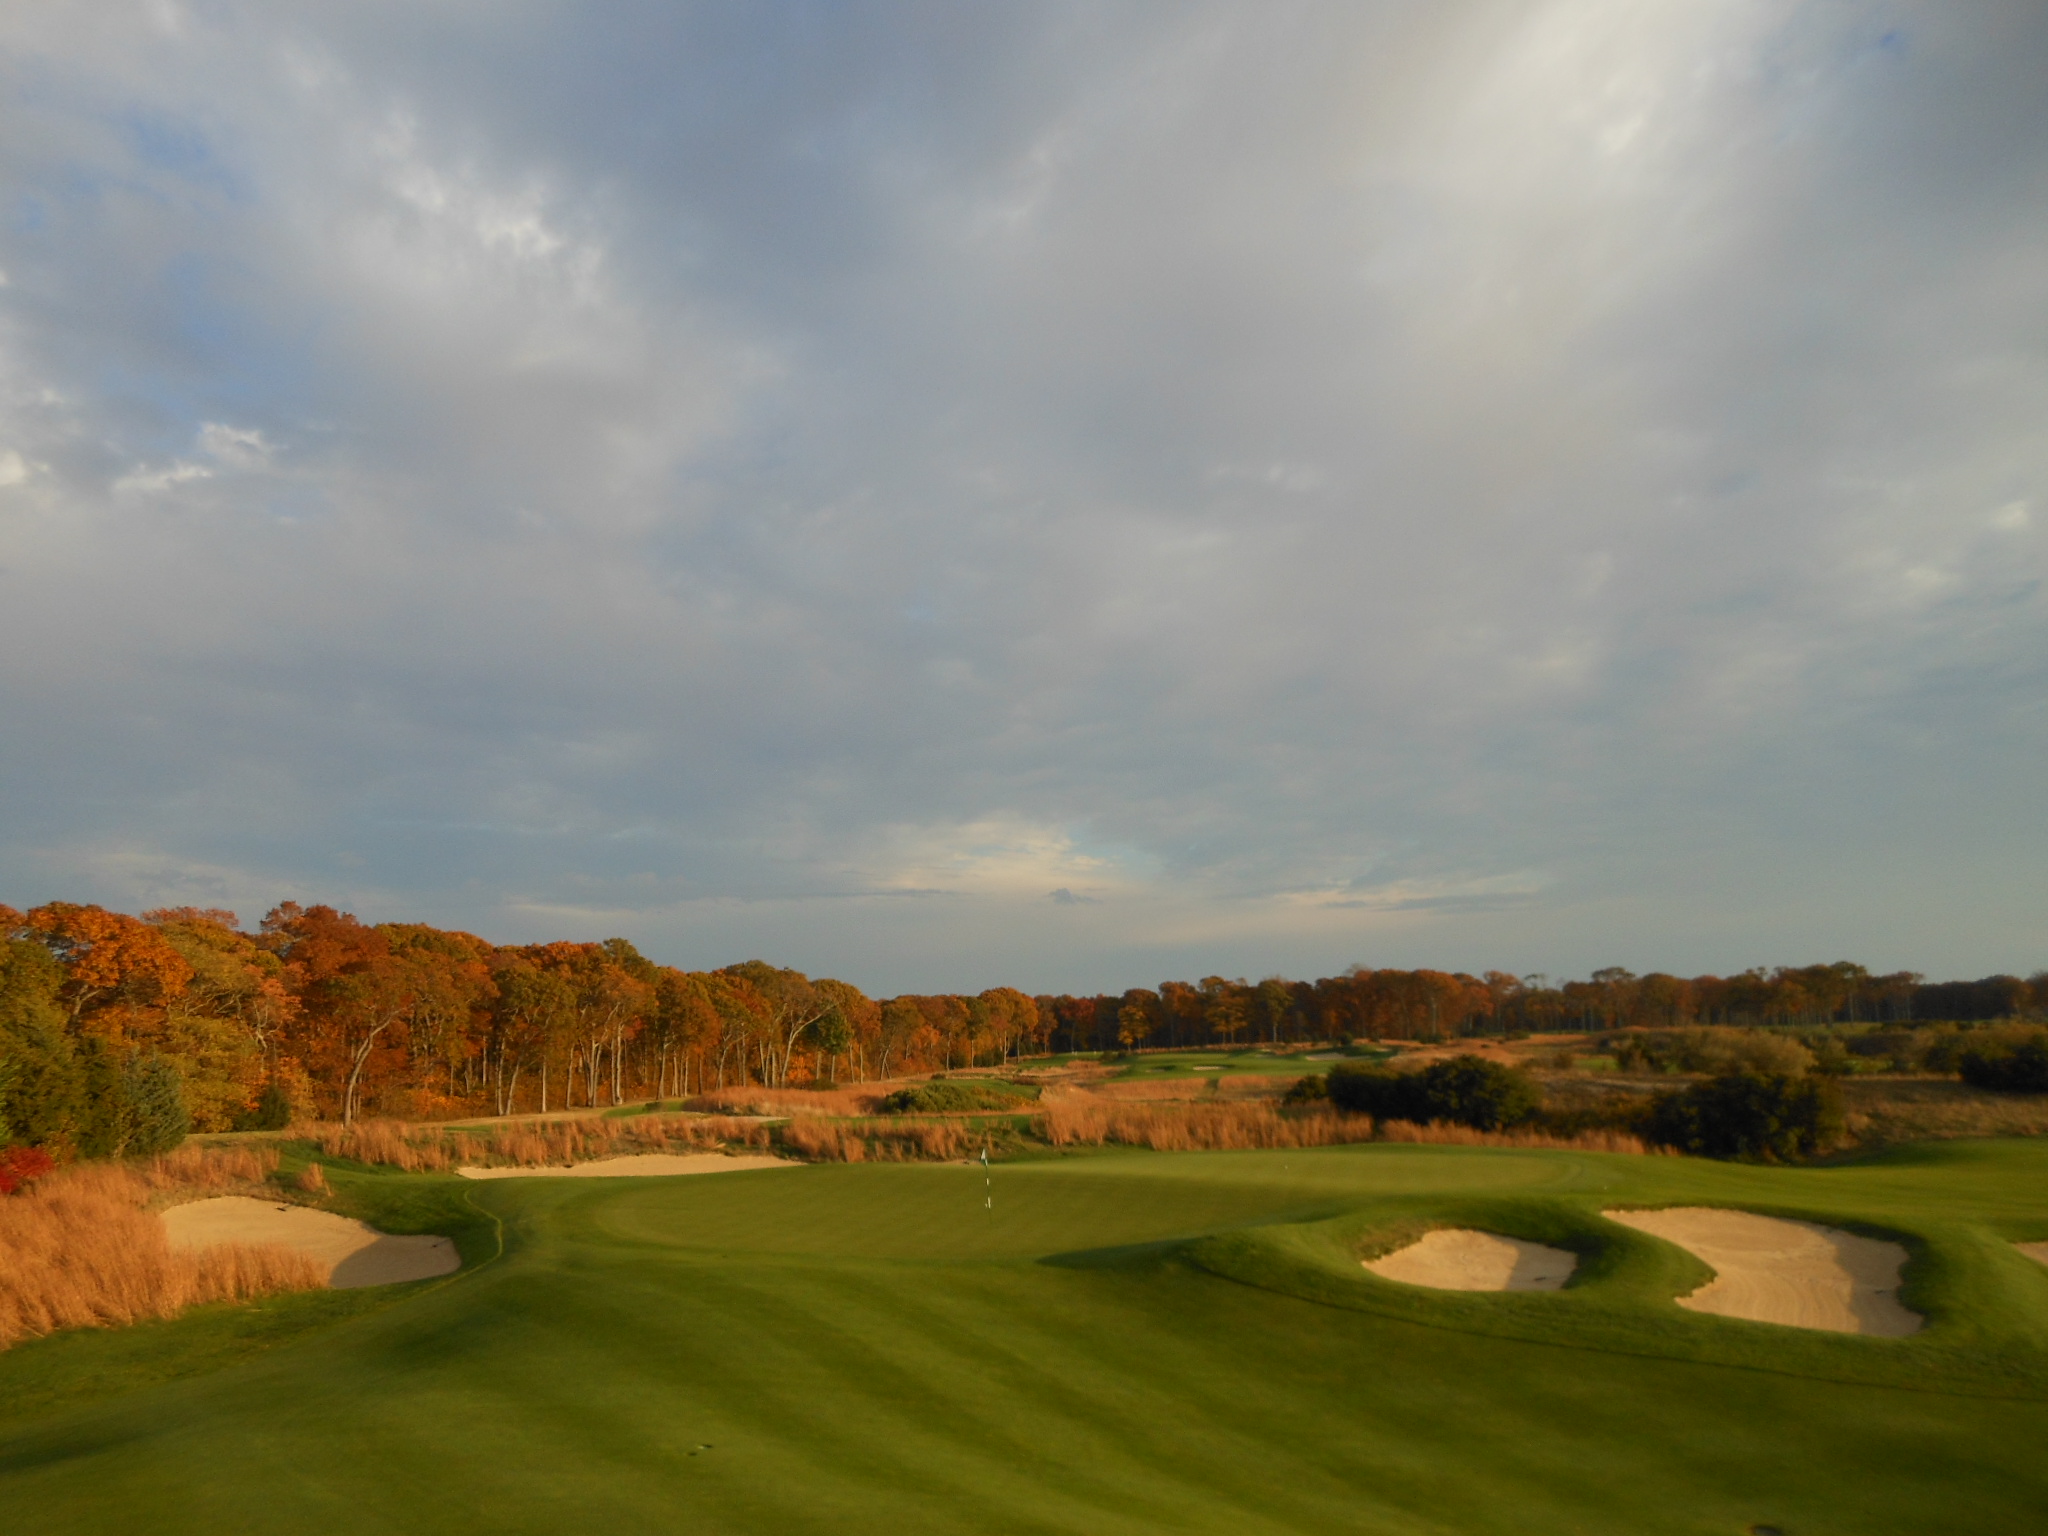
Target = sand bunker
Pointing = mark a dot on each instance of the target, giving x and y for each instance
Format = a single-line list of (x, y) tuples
[(353, 1253), (1797, 1273), (1459, 1259), (2038, 1252), (643, 1165)]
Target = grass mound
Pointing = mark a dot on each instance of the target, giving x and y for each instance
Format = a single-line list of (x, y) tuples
[(959, 1096)]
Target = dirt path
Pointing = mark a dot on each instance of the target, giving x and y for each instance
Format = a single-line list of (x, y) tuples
[(1459, 1259), (1797, 1273), (353, 1253)]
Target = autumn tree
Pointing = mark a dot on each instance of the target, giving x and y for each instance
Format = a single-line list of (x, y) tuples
[(452, 988), (853, 1020), (1137, 1016), (1226, 1007), (355, 994), (793, 1005), (526, 1022), (108, 957)]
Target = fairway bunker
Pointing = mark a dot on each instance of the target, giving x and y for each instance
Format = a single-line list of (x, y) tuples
[(352, 1253), (1461, 1259), (643, 1165), (2038, 1252), (1796, 1273)]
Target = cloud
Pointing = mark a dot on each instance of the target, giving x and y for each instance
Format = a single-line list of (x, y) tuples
[(1531, 486), (149, 481)]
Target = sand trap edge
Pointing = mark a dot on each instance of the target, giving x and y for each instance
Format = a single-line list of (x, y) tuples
[(1785, 1271), (1467, 1259), (353, 1254)]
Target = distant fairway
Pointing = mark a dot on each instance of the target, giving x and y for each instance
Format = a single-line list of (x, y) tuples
[(1128, 1342)]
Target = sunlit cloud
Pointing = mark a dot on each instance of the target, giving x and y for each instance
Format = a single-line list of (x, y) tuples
[(1064, 496)]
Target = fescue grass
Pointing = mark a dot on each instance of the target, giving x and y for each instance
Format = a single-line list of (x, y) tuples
[(1221, 1126), (83, 1248), (863, 1099), (1110, 1343), (890, 1141), (1891, 1111), (413, 1148)]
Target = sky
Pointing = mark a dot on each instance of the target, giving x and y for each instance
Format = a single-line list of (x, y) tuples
[(1039, 494)]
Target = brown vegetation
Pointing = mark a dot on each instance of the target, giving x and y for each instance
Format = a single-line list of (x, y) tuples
[(555, 1143), (790, 1101), (887, 1141), (1884, 1112), (1438, 1133), (1219, 1127), (82, 1248), (1195, 1127)]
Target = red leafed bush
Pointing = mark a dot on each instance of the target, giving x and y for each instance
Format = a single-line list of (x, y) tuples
[(18, 1165)]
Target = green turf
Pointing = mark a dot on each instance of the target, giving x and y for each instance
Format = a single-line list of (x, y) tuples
[(1130, 1342)]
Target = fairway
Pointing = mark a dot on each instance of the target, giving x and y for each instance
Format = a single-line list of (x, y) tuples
[(1126, 1342)]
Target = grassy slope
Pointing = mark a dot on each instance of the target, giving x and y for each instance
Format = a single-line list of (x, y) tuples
[(869, 1349)]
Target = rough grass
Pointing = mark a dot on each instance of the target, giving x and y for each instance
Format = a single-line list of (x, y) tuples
[(952, 1096), (857, 1100), (888, 1141), (1068, 1119), (414, 1148), (83, 1248), (1886, 1111), (1084, 1120)]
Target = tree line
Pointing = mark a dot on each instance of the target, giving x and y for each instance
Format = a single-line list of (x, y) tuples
[(1364, 1003), (118, 1033)]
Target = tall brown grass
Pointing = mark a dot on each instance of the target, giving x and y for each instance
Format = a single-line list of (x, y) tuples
[(81, 1248), (1067, 1119), (1884, 1111), (527, 1144), (1196, 1127), (862, 1100), (1209, 1127), (891, 1140), (1442, 1133)]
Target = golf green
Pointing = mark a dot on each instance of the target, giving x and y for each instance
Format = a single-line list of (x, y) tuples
[(1122, 1342)]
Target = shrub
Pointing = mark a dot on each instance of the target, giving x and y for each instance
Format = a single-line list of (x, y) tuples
[(954, 1096), (1711, 1048), (1466, 1090), (2016, 1065), (19, 1165), (273, 1109), (1896, 1047), (157, 1118), (1313, 1089), (1772, 1115)]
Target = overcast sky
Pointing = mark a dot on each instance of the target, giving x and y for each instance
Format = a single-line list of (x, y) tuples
[(1063, 495)]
